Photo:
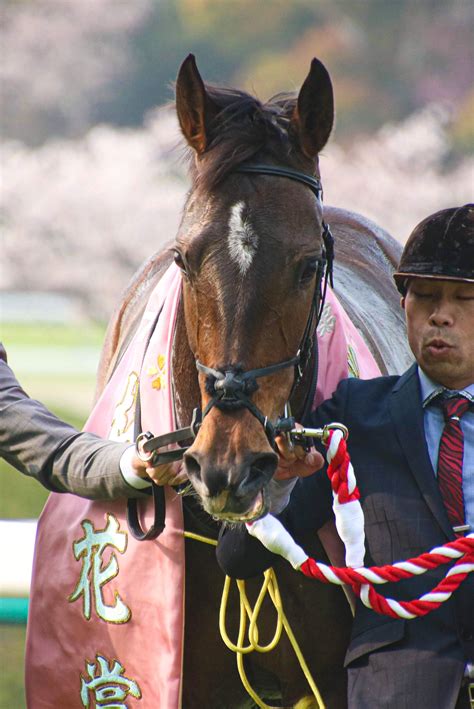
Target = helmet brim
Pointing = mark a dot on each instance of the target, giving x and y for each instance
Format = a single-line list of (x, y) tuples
[(401, 278)]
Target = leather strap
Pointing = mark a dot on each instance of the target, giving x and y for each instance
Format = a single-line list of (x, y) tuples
[(260, 169), (159, 509), (133, 518)]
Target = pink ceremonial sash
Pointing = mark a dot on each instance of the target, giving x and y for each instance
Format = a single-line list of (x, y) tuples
[(106, 620), (122, 635)]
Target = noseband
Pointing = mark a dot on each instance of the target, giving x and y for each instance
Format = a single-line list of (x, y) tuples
[(231, 387)]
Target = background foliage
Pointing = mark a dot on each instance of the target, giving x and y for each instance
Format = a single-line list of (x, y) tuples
[(117, 59)]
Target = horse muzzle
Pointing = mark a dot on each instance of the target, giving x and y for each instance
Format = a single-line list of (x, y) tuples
[(233, 492)]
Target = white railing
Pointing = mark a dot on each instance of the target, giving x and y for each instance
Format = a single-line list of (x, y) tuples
[(17, 542)]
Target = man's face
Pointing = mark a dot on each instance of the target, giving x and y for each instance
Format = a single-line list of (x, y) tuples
[(440, 324)]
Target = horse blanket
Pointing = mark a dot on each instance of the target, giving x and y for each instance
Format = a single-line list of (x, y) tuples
[(106, 618)]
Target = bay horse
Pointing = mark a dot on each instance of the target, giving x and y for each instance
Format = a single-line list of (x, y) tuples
[(250, 247)]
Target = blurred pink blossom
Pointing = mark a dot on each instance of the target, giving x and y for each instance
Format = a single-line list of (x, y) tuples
[(79, 216)]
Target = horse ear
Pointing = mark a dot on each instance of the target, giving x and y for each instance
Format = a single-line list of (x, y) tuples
[(313, 116), (194, 107)]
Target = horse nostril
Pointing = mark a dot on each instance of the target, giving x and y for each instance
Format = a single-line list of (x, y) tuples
[(192, 466), (264, 467)]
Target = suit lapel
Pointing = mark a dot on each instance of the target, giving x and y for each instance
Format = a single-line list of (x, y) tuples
[(407, 416)]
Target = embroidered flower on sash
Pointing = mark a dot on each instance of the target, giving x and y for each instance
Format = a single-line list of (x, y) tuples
[(158, 373), (327, 322), (352, 362)]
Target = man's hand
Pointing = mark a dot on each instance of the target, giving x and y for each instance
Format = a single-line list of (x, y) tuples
[(171, 474), (294, 461)]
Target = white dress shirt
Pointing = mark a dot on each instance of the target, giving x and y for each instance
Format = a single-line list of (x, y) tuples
[(128, 472)]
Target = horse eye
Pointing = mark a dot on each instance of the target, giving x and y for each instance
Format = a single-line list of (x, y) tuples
[(179, 261), (309, 269)]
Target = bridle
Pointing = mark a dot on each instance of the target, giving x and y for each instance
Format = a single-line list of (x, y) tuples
[(231, 387)]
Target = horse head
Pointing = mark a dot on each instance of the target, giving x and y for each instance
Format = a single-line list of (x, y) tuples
[(250, 249)]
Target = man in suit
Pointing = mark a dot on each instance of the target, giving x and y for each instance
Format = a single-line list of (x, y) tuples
[(63, 459), (411, 442)]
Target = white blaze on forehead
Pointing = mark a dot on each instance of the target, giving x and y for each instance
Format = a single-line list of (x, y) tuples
[(242, 239)]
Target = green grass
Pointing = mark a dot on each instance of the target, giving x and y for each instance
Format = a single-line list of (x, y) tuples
[(47, 334), (12, 692), (21, 496), (69, 396)]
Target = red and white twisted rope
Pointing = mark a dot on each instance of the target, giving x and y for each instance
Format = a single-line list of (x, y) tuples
[(350, 526), (362, 579)]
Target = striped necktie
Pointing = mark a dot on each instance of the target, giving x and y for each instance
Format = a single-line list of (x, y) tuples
[(450, 458)]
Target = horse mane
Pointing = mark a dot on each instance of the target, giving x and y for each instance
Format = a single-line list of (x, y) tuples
[(243, 128)]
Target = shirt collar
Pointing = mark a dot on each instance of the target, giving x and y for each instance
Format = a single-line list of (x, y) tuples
[(431, 389)]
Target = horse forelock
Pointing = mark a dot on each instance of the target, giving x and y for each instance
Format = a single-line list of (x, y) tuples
[(245, 128)]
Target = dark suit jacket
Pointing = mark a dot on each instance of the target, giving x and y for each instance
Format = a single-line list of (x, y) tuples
[(392, 662), (38, 444)]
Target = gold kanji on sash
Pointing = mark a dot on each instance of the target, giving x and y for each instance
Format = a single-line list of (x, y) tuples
[(108, 685), (122, 424), (95, 573)]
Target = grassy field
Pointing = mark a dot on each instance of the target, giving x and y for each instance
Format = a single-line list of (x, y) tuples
[(55, 364)]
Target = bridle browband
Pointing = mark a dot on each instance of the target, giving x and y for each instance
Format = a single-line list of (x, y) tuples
[(231, 387), (316, 188)]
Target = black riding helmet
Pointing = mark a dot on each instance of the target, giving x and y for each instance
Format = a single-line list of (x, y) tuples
[(440, 247)]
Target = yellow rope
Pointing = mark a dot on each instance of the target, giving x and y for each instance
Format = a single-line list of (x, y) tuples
[(200, 538), (246, 612), (270, 586)]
